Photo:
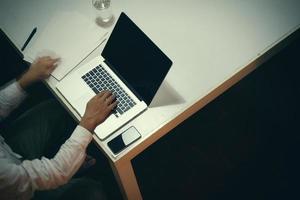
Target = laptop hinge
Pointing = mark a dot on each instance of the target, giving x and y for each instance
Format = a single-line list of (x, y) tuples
[(124, 81)]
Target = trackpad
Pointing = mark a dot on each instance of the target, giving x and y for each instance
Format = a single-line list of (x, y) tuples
[(80, 103)]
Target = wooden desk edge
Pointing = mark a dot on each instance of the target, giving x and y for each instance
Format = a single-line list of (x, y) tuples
[(263, 57)]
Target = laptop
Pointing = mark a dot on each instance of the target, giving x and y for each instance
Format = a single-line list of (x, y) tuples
[(131, 66)]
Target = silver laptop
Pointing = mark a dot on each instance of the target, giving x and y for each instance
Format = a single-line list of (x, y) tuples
[(130, 65)]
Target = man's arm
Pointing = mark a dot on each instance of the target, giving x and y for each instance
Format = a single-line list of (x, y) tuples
[(51, 173), (20, 181), (10, 97), (13, 94), (47, 173)]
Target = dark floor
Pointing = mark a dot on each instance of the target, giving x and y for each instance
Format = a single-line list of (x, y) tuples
[(243, 145)]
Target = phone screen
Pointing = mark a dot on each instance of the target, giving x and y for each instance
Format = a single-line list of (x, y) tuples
[(124, 140)]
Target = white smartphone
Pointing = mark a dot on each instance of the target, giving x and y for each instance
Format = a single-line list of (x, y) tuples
[(123, 140)]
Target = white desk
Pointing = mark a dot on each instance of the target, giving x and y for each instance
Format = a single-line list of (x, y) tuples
[(213, 44)]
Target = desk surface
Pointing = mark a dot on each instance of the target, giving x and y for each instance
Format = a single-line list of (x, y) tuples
[(208, 41), (212, 44)]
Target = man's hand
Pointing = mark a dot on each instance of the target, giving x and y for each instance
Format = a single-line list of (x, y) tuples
[(40, 69), (97, 110)]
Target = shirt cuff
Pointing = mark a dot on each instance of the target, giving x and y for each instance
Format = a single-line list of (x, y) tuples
[(82, 136), (19, 90)]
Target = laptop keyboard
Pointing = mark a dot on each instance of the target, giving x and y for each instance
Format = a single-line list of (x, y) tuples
[(98, 80)]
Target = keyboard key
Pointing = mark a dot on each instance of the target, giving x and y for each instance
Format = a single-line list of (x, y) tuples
[(119, 110), (95, 90), (126, 109)]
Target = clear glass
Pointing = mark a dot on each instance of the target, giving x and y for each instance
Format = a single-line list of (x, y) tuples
[(103, 11)]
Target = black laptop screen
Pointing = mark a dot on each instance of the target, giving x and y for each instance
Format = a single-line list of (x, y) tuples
[(134, 57)]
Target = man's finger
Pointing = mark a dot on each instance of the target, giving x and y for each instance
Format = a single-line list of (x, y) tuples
[(110, 99), (100, 94), (106, 94), (113, 105), (51, 69), (45, 58), (55, 60)]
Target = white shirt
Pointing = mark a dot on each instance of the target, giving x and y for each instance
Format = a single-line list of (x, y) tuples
[(19, 180)]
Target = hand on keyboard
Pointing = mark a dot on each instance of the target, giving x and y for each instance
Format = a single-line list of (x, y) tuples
[(98, 109), (98, 79)]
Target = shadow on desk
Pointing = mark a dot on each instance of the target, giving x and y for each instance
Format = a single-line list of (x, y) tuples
[(166, 96)]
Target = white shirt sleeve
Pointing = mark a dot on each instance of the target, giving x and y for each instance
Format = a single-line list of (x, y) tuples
[(20, 181), (10, 97)]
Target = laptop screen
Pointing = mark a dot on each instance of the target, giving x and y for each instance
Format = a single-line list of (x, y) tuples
[(136, 59)]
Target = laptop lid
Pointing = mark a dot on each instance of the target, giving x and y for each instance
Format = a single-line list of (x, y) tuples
[(136, 59)]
